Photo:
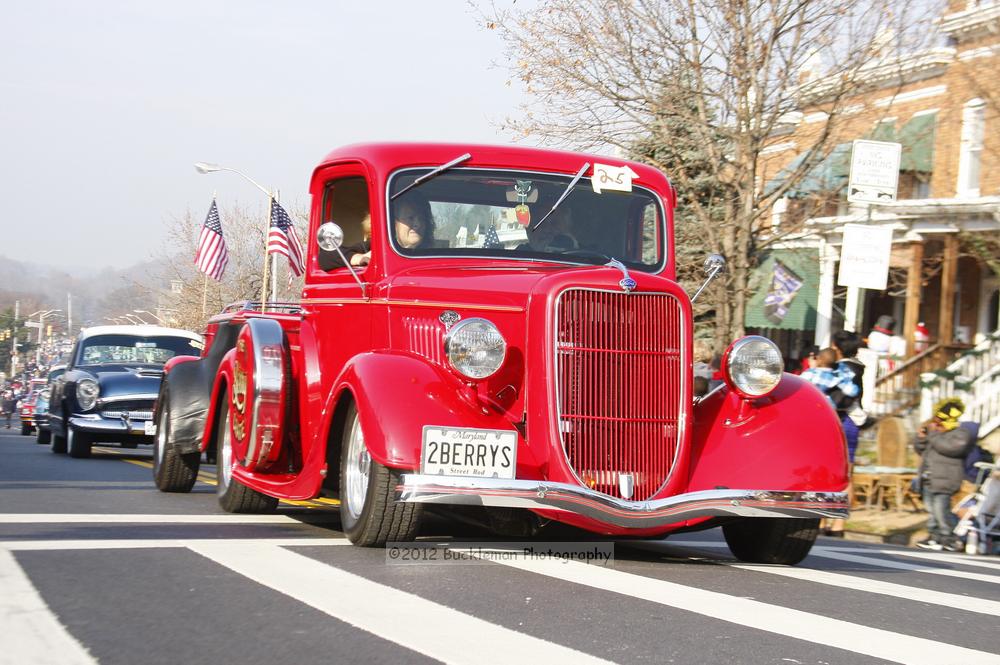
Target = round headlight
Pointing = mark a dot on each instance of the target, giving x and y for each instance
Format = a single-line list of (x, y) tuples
[(753, 366), (475, 348), (87, 391)]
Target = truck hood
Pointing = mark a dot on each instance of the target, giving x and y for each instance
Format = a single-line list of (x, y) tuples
[(485, 286)]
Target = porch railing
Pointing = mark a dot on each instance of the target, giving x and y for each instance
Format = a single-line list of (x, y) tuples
[(975, 378)]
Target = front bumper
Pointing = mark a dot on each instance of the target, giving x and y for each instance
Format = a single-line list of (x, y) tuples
[(101, 425), (542, 495)]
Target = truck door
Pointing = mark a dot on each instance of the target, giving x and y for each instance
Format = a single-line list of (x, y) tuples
[(337, 312)]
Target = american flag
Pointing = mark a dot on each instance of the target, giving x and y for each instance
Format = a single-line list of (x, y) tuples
[(212, 255), (492, 240), (283, 240)]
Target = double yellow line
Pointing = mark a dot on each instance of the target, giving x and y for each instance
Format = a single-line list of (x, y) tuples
[(212, 479)]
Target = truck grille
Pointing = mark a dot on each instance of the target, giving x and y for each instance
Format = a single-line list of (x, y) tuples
[(138, 409), (618, 363)]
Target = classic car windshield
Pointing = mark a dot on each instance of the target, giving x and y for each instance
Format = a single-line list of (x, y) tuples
[(155, 350), (475, 212)]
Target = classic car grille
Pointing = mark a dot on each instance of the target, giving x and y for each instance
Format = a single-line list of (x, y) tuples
[(618, 359), (138, 409), (425, 337)]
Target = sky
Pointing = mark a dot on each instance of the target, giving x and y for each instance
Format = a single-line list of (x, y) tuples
[(105, 106)]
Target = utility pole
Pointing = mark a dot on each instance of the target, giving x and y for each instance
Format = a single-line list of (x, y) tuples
[(13, 340), (69, 314)]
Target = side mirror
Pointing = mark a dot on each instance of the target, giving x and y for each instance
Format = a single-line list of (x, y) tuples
[(714, 264), (329, 237)]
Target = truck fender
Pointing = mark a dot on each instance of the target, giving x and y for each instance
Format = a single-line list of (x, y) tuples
[(397, 394), (789, 440)]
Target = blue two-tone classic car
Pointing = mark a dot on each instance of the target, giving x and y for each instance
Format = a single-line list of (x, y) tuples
[(107, 392)]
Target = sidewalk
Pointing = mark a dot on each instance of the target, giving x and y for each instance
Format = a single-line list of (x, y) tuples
[(897, 527)]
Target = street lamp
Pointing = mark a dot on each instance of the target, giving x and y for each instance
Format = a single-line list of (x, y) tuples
[(143, 311), (205, 167), (42, 313)]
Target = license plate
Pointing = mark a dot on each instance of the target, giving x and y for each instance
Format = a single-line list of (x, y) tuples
[(480, 453), (149, 428)]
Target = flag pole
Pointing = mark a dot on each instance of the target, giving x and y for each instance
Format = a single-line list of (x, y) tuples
[(274, 267), (267, 232)]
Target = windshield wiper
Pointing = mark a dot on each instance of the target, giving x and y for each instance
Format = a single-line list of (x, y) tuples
[(565, 193), (427, 176)]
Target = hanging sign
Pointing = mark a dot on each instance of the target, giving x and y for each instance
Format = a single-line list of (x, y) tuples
[(864, 256), (874, 172)]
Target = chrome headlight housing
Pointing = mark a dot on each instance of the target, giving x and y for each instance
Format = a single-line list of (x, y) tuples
[(753, 366), (87, 391), (475, 348)]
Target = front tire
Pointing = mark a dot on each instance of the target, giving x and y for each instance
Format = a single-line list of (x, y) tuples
[(43, 436), (234, 496), (369, 513), (172, 471), (79, 444), (25, 429), (58, 443), (771, 539)]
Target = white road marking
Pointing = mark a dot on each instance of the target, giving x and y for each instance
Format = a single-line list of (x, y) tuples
[(961, 559), (841, 581), (843, 554), (814, 628), (73, 518), (408, 620), (160, 543), (31, 633)]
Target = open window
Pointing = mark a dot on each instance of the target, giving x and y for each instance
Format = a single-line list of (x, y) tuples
[(345, 202)]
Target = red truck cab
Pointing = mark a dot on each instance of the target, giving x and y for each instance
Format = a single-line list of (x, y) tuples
[(499, 331)]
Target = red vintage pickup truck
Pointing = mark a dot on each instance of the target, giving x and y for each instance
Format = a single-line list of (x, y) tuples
[(498, 331)]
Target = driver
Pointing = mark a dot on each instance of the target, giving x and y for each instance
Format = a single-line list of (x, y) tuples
[(554, 234)]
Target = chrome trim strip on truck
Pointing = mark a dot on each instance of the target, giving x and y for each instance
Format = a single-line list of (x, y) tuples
[(543, 495)]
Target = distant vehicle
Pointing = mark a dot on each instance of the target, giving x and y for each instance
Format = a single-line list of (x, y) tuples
[(27, 411), (42, 432), (110, 384)]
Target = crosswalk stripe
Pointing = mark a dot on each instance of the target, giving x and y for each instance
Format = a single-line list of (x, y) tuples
[(963, 559), (89, 518), (408, 620), (31, 632), (868, 585), (793, 623), (843, 554), (157, 543), (839, 580)]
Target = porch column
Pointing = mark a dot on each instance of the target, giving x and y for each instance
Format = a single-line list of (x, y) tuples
[(824, 294), (911, 314), (852, 308), (949, 272)]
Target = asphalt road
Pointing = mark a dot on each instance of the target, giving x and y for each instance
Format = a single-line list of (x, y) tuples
[(97, 566)]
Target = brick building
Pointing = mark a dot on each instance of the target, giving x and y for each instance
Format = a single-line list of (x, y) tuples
[(941, 104)]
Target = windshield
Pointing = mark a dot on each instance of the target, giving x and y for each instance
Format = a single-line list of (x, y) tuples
[(473, 212), (155, 350)]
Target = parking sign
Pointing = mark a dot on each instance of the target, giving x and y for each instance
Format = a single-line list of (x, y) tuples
[(874, 172)]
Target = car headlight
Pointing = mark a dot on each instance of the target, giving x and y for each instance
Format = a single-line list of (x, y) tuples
[(475, 348), (753, 366), (87, 391)]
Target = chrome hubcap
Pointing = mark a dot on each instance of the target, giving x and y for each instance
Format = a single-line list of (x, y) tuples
[(161, 440), (225, 461), (357, 470)]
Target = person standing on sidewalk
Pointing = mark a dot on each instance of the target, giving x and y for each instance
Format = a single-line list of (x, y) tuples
[(943, 447), (8, 405)]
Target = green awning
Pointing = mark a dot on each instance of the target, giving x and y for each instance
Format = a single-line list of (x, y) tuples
[(828, 175), (776, 302), (917, 137), (883, 131)]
